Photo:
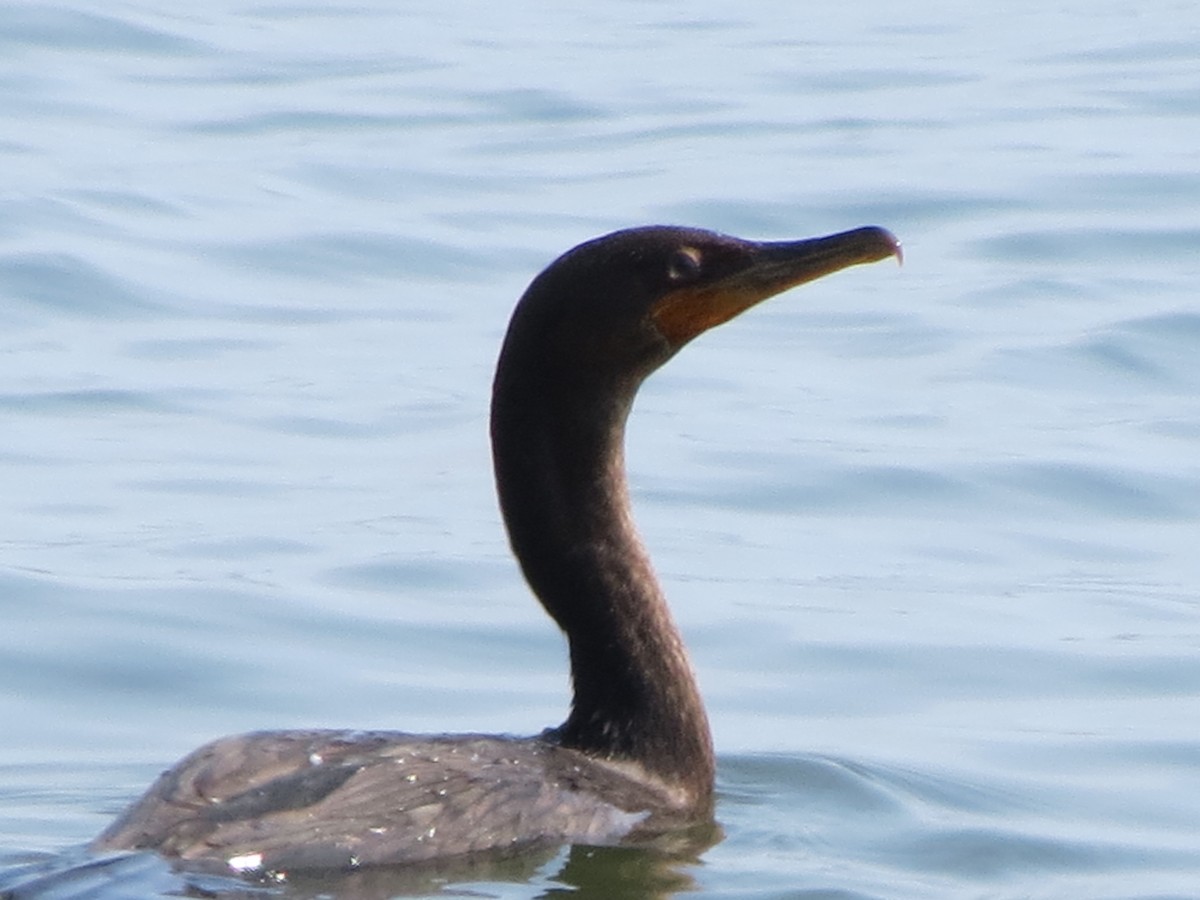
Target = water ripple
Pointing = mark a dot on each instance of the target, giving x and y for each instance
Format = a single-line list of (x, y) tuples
[(66, 283)]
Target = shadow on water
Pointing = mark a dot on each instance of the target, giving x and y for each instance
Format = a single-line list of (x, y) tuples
[(578, 871)]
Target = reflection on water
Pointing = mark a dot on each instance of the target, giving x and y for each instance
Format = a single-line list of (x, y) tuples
[(586, 872)]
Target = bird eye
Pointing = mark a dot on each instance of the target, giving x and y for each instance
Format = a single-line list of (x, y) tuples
[(684, 264)]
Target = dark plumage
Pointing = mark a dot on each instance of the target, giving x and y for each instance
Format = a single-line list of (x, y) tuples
[(634, 758)]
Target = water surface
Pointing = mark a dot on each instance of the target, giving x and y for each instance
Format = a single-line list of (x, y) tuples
[(930, 533)]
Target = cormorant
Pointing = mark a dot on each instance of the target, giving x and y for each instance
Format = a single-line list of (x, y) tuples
[(634, 758)]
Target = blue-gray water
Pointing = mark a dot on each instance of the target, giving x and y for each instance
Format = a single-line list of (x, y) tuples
[(931, 532)]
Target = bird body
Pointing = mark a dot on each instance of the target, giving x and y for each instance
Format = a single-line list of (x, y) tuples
[(302, 800)]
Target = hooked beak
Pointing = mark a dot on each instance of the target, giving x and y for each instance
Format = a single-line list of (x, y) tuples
[(774, 267)]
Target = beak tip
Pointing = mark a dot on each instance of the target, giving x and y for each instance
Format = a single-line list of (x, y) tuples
[(891, 242)]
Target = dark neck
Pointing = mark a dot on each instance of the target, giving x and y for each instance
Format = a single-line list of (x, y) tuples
[(558, 448)]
